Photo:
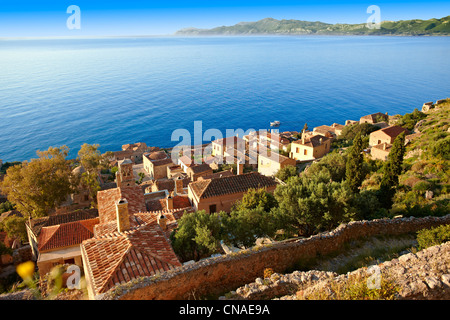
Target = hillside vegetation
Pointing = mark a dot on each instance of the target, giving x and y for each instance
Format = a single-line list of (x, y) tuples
[(414, 27)]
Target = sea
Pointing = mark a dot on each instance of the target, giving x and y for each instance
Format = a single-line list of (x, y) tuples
[(114, 91)]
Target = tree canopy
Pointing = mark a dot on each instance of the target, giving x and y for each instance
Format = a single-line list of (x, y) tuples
[(40, 185)]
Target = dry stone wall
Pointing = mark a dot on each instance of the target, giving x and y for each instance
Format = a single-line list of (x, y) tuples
[(215, 276)]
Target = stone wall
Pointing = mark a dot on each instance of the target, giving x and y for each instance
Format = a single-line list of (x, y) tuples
[(215, 276)]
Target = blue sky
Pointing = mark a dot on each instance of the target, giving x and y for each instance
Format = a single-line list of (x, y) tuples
[(40, 18)]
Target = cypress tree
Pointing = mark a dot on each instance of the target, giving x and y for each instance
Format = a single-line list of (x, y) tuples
[(391, 171), (354, 167)]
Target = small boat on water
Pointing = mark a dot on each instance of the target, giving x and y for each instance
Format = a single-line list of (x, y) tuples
[(275, 123)]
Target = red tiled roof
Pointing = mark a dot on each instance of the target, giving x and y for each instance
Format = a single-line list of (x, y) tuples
[(39, 223), (393, 131), (313, 141), (199, 168), (157, 155), (229, 185), (66, 235), (220, 174), (120, 257)]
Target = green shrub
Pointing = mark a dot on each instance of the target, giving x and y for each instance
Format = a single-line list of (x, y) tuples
[(434, 236)]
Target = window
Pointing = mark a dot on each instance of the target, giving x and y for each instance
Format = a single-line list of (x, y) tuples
[(69, 261), (379, 141), (212, 208), (297, 151), (305, 152)]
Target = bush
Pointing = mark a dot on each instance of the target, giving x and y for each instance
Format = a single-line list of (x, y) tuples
[(434, 236), (441, 149)]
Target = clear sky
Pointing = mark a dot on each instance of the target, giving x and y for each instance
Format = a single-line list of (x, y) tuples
[(43, 18)]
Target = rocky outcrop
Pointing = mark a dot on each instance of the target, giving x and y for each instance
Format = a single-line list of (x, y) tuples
[(421, 276)]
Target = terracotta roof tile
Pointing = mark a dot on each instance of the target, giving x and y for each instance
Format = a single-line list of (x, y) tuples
[(393, 131), (66, 235), (39, 223), (229, 185), (120, 257)]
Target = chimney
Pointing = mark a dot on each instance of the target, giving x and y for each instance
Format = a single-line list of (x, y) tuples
[(169, 203), (384, 146), (239, 168), (178, 186), (123, 218), (303, 136), (320, 140), (162, 221)]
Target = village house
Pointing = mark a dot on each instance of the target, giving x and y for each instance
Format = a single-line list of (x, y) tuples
[(156, 164), (350, 122), (326, 131), (56, 239), (129, 247), (198, 170), (137, 150), (219, 146), (234, 156), (214, 195), (269, 166), (385, 135), (220, 174), (130, 242), (185, 162), (174, 170), (374, 118), (171, 184), (381, 151), (310, 148)]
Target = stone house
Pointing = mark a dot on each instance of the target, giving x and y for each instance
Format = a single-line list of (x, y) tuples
[(310, 148), (385, 135), (128, 247), (269, 166), (60, 244), (185, 162), (214, 195), (35, 226), (326, 131), (374, 118), (156, 164), (198, 170), (219, 146), (129, 242), (134, 152), (381, 151), (174, 170)]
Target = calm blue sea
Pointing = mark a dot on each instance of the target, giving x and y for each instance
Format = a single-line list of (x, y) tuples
[(122, 90)]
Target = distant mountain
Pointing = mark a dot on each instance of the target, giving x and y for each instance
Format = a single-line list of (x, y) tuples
[(267, 26)]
